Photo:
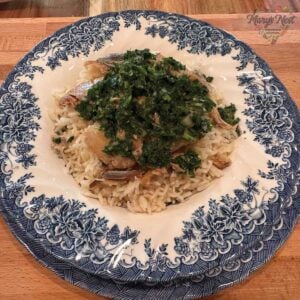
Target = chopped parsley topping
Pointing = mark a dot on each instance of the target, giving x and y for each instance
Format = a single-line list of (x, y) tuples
[(208, 78), (119, 147), (56, 140), (188, 162), (154, 99), (156, 154), (70, 139), (227, 114)]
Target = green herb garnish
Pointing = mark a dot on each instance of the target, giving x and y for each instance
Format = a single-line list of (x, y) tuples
[(149, 99), (119, 147), (56, 140), (188, 162), (155, 154), (208, 78), (227, 114), (70, 139)]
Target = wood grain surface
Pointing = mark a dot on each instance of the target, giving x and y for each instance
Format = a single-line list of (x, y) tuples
[(21, 277), (44, 8), (57, 8), (183, 7)]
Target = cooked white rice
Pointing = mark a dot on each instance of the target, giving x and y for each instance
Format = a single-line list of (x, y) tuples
[(163, 188)]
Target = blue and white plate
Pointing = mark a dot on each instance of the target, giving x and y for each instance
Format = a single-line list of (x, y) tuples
[(187, 239), (212, 281)]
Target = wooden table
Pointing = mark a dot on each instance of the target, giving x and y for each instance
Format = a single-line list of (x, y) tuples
[(21, 277), (64, 8)]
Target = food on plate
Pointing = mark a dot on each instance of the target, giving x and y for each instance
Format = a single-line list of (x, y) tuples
[(142, 131)]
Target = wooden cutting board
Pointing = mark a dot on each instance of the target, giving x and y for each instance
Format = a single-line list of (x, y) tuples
[(21, 277)]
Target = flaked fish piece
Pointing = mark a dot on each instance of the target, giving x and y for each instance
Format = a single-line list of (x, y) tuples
[(120, 175), (68, 100), (221, 160), (147, 177), (176, 168), (98, 68), (97, 141), (99, 184), (179, 145), (121, 162), (76, 94), (111, 59), (215, 115), (95, 69), (194, 76)]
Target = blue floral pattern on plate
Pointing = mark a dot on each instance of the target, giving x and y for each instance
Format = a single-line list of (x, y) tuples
[(209, 238), (210, 282)]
